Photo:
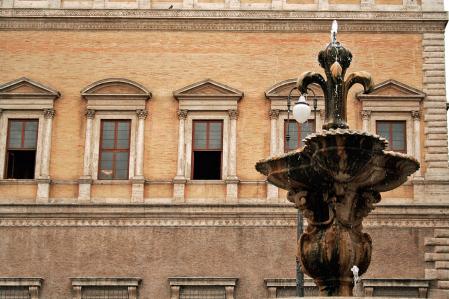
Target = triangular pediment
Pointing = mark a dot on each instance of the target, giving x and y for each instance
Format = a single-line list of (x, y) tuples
[(393, 89), (24, 87), (207, 89), (115, 87), (283, 88)]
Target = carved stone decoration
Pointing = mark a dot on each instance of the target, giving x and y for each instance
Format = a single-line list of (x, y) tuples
[(182, 114), (274, 113), (233, 114), (336, 179), (416, 115), (49, 113), (90, 113), (366, 114), (141, 113)]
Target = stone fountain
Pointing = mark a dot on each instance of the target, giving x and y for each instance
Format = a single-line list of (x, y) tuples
[(336, 179)]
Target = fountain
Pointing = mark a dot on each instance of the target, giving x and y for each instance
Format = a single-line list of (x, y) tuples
[(336, 179)]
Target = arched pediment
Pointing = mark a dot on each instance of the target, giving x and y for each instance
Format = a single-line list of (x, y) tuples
[(26, 94), (115, 94), (116, 87), (394, 90), (207, 89), (282, 89)]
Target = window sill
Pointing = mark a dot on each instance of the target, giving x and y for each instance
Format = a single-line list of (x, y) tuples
[(18, 182), (111, 182), (206, 182)]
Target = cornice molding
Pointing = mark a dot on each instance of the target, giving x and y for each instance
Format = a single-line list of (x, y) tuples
[(220, 20), (250, 216)]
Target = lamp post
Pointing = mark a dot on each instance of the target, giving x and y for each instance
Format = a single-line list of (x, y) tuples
[(301, 113)]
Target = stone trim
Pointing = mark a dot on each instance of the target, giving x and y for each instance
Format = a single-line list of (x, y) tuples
[(176, 283), (371, 284), (200, 215), (435, 126), (131, 283), (247, 21), (32, 283)]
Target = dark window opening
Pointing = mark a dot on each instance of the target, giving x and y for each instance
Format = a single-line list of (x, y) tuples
[(207, 149), (207, 165), (297, 133), (21, 148)]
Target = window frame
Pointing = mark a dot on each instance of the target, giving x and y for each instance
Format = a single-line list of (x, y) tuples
[(132, 284), (404, 135), (300, 138), (188, 135), (114, 150), (400, 116), (32, 283), (208, 121), (5, 175), (96, 128), (20, 115), (228, 283)]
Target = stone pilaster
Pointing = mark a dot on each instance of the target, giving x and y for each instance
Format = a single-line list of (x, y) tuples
[(85, 181), (366, 117), (273, 191), (138, 180), (417, 138), (180, 179), (43, 180), (435, 123), (232, 180)]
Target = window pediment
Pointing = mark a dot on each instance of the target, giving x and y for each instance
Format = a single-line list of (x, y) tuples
[(278, 94), (392, 95), (208, 95), (26, 94), (115, 94)]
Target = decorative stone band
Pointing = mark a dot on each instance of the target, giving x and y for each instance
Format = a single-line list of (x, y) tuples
[(203, 216), (222, 20)]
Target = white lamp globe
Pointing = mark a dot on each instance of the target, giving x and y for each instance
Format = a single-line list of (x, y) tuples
[(301, 110)]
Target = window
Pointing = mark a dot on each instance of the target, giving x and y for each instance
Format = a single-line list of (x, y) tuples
[(21, 148), (394, 132), (207, 149), (297, 133), (105, 288), (202, 287), (114, 150), (200, 292), (19, 288)]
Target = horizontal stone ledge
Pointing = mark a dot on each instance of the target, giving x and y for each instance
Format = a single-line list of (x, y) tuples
[(436, 241), (436, 105), (434, 73), (436, 123), (443, 284), (434, 92), (434, 80), (434, 49), (433, 36), (432, 257), (433, 60), (441, 233), (440, 165), (436, 111), (432, 42), (437, 150), (440, 116), (430, 273), (436, 157), (433, 66), (441, 265), (441, 249), (433, 54)]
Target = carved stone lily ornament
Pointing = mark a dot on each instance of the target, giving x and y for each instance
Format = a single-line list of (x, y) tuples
[(336, 179)]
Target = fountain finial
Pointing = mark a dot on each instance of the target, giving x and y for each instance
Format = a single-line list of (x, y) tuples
[(334, 31)]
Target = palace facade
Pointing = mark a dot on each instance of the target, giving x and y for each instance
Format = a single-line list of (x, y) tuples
[(129, 131)]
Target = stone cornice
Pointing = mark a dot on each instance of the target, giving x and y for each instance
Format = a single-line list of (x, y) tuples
[(191, 215), (221, 20)]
